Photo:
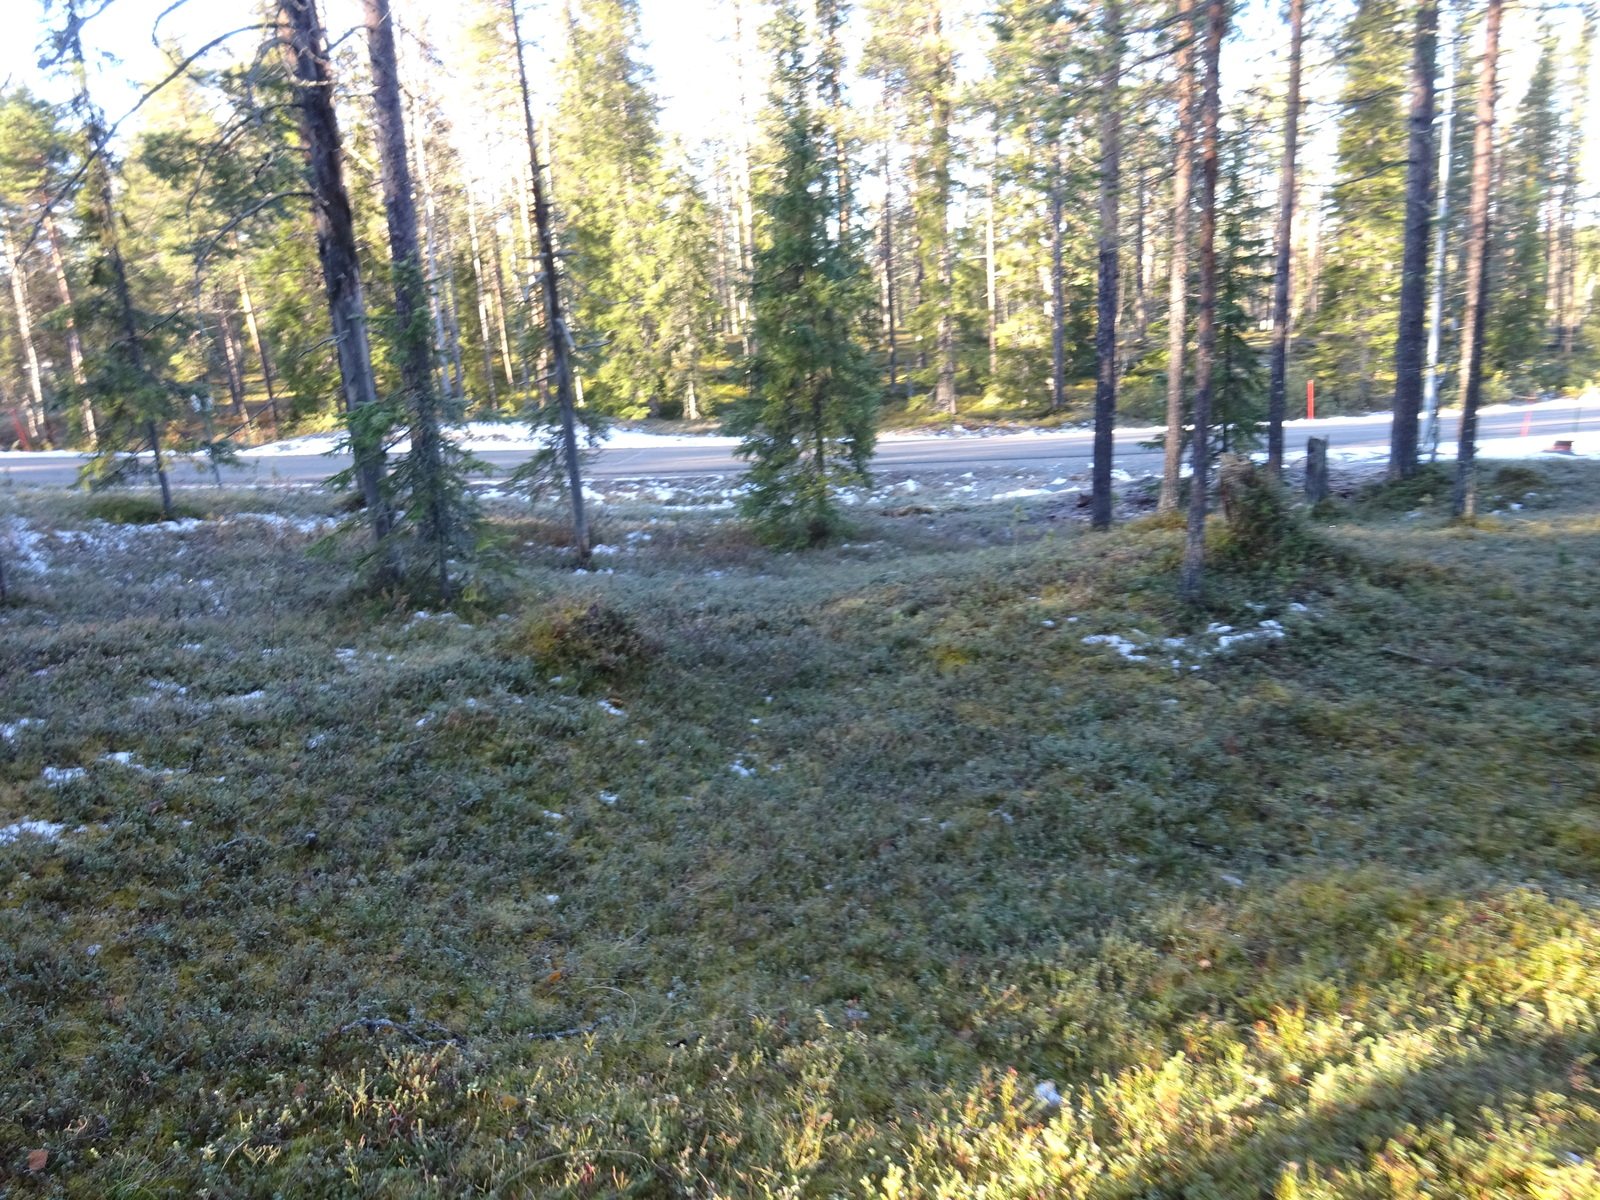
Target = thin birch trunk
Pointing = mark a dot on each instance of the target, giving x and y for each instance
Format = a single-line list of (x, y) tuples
[(430, 241), (888, 271), (1283, 267), (1409, 347), (1108, 286), (1477, 273), (1194, 549), (1178, 279), (496, 255)]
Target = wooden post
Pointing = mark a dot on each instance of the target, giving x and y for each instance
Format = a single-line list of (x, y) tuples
[(1316, 469)]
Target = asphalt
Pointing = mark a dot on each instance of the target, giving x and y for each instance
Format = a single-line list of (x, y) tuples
[(1068, 451)]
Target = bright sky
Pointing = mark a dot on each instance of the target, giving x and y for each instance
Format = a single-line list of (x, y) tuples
[(690, 49)]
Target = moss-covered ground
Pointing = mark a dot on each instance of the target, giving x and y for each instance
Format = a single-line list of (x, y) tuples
[(855, 873)]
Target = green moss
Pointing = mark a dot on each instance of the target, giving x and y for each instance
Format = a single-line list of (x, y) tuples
[(865, 852)]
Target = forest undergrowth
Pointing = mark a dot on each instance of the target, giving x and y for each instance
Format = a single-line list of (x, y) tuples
[(853, 873)]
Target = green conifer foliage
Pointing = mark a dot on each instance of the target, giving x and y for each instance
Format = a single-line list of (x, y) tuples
[(1354, 326), (636, 226), (1518, 343), (809, 419), (1239, 384)]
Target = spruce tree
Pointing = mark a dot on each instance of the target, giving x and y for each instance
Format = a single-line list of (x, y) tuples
[(624, 207), (809, 418), (1360, 282), (1517, 350)]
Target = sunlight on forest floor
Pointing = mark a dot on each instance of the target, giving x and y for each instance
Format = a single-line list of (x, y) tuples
[(883, 870)]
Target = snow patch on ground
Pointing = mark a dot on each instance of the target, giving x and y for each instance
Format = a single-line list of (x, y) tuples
[(47, 830), (1179, 652)]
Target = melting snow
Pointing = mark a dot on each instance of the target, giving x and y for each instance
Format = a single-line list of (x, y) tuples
[(48, 830)]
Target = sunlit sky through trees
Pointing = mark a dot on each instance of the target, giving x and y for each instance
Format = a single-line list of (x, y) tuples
[(695, 56)]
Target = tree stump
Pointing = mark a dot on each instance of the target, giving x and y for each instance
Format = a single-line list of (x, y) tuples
[(1316, 469)]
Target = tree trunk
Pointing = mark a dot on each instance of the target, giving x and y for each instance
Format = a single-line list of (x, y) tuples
[(74, 342), (30, 352), (1108, 287), (429, 487), (990, 278), (300, 31), (435, 302), (1430, 396), (259, 347), (888, 272), (1194, 549), (1408, 345), (231, 360), (1178, 282), (1278, 380), (557, 329), (485, 326), (1058, 289), (1477, 290)]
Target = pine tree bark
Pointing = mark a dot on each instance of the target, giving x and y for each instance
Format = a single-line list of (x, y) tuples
[(1477, 273), (1409, 343), (1178, 278), (1058, 286), (990, 280), (429, 486), (58, 264), (301, 34), (1108, 288), (560, 342), (1194, 550), (231, 360), (1278, 379), (30, 351), (485, 327), (888, 273), (261, 351)]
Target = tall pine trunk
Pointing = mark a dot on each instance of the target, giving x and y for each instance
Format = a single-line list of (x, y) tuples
[(1441, 224), (990, 279), (58, 264), (1194, 550), (1409, 342), (556, 328), (1108, 283), (261, 351), (1178, 281), (485, 326), (429, 485), (300, 31), (888, 274), (30, 351), (1477, 287), (1058, 288), (1278, 379)]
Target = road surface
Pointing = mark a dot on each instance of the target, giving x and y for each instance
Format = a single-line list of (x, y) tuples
[(1067, 451)]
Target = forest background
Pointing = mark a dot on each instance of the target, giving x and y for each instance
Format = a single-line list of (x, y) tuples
[(971, 137)]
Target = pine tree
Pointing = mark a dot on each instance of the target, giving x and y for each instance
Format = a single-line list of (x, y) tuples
[(1518, 349), (624, 207), (1239, 382), (910, 51), (1354, 329), (809, 420)]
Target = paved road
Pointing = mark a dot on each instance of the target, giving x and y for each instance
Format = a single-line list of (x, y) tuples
[(1068, 451)]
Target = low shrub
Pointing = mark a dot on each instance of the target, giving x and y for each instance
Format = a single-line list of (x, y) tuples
[(594, 639), (135, 510)]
